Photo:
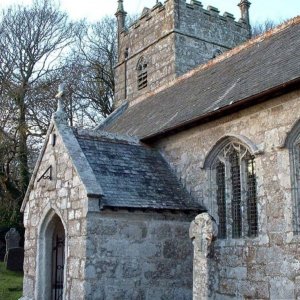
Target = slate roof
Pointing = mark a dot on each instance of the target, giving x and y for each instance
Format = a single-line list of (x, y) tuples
[(133, 175), (270, 61)]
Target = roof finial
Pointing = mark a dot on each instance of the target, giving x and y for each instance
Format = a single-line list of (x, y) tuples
[(120, 6), (121, 19), (60, 114), (244, 7), (59, 96), (121, 15)]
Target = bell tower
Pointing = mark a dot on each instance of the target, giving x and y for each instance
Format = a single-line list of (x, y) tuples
[(169, 40)]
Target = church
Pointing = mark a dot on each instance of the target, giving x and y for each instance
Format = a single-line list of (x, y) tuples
[(190, 189)]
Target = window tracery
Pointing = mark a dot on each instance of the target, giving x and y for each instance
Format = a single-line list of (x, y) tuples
[(235, 191)]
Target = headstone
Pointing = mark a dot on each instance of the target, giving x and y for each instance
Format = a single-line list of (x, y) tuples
[(12, 238), (15, 259)]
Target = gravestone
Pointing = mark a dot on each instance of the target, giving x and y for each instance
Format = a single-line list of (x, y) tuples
[(15, 259), (12, 239), (14, 256)]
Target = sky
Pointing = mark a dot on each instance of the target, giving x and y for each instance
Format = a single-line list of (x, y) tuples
[(93, 10)]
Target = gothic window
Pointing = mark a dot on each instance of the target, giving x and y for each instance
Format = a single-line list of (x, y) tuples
[(142, 79), (292, 142), (234, 191)]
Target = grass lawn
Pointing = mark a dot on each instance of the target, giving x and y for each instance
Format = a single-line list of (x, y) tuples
[(11, 284)]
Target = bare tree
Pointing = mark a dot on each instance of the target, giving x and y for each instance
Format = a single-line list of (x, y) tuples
[(40, 49), (32, 40), (260, 28), (92, 68)]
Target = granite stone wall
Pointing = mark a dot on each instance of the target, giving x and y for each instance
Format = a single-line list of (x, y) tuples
[(151, 37), (268, 266), (136, 255), (109, 254), (173, 37), (64, 196), (201, 33)]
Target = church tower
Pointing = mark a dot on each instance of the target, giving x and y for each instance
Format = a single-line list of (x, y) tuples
[(170, 39)]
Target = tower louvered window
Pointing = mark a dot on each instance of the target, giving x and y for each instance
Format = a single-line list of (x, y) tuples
[(235, 193), (142, 73)]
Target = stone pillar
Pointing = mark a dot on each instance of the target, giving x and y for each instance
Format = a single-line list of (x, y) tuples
[(121, 20), (203, 231), (244, 7)]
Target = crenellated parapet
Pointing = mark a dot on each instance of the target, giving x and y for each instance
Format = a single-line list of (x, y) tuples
[(197, 6), (158, 9), (172, 38)]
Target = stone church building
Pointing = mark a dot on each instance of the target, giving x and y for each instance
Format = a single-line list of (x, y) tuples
[(190, 189)]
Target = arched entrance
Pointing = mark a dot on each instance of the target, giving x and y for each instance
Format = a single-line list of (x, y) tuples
[(50, 277), (58, 261)]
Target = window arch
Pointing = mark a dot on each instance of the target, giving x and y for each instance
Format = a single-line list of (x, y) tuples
[(292, 142), (233, 182), (142, 73)]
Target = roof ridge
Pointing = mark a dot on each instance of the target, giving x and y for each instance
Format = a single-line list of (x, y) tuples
[(250, 43), (100, 135)]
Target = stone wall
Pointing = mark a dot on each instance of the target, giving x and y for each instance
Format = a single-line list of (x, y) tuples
[(151, 37), (201, 32), (268, 266), (136, 255), (65, 196), (109, 254), (173, 37)]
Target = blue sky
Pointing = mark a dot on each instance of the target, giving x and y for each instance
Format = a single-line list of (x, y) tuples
[(261, 10)]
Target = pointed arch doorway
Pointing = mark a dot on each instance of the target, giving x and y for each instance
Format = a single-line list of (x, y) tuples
[(51, 259), (58, 261)]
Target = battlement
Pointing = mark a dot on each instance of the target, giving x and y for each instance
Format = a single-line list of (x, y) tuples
[(156, 12), (158, 9), (171, 38), (215, 12)]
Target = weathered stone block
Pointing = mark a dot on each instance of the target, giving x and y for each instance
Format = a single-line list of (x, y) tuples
[(132, 268), (281, 288), (176, 249)]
